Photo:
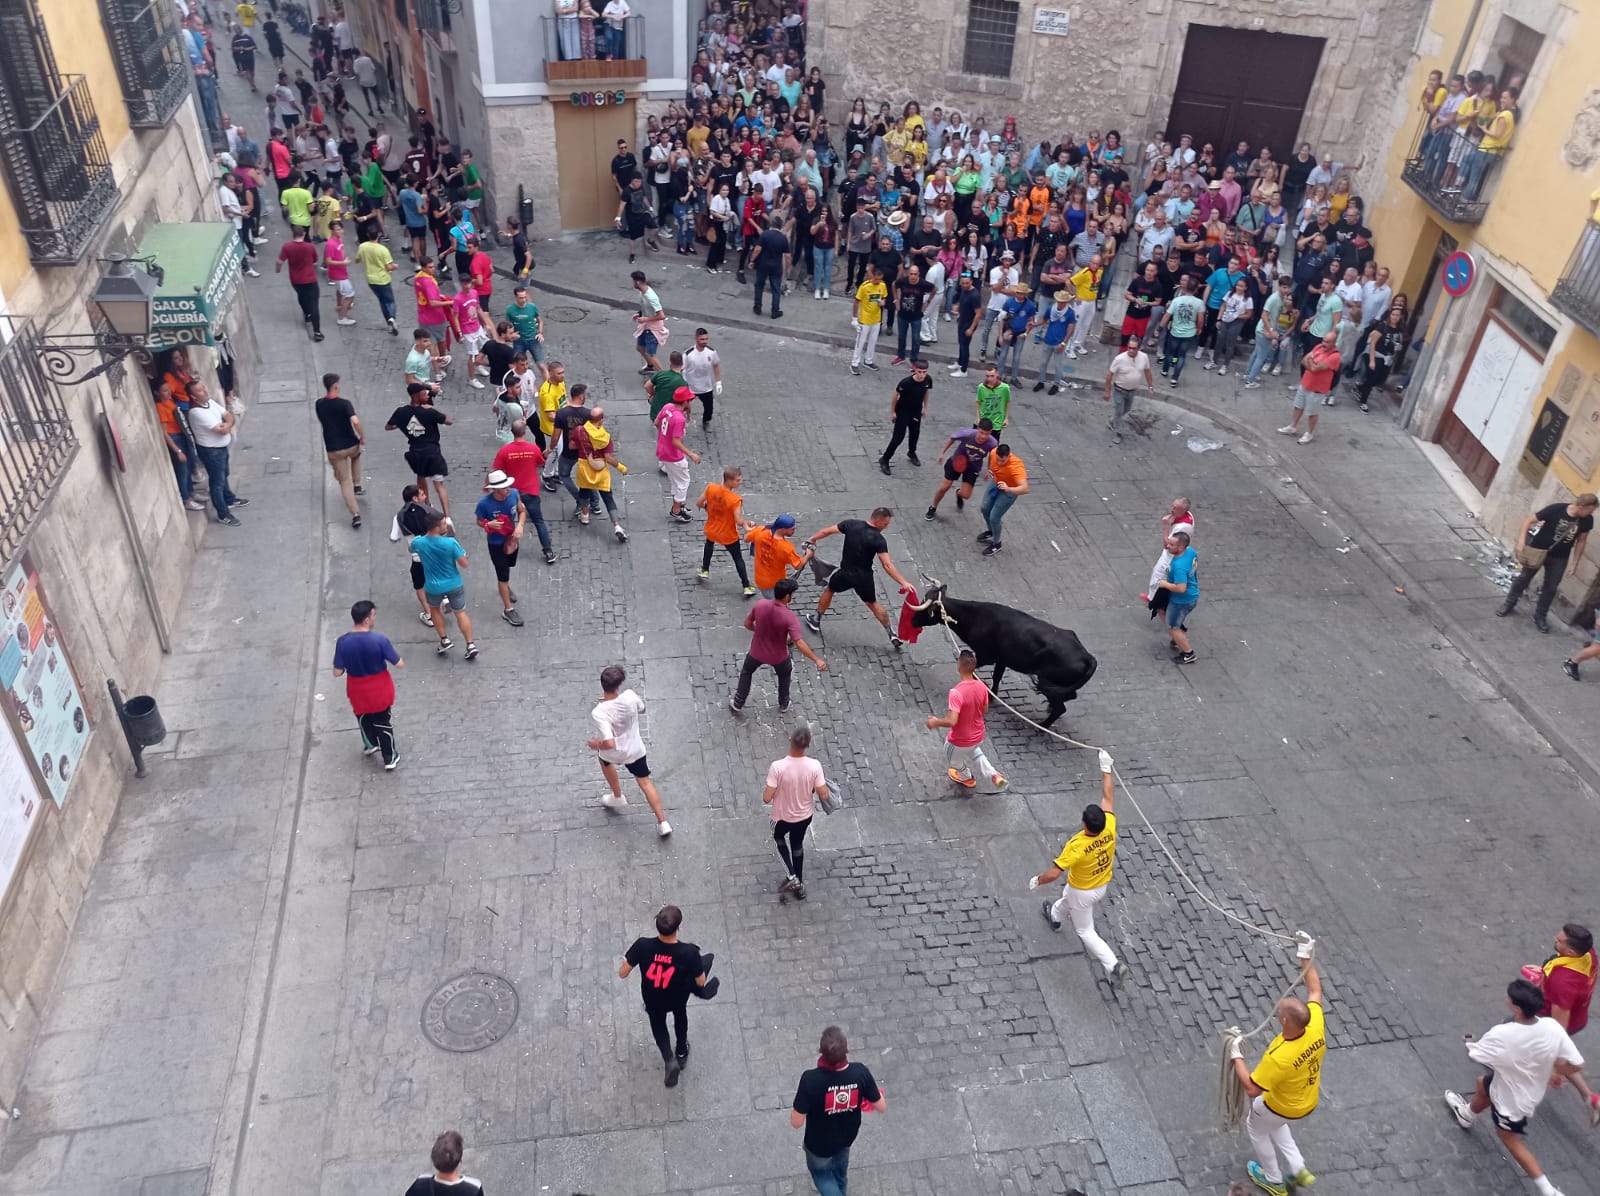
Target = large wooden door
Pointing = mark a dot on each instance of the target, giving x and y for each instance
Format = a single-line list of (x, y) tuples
[(1491, 395), (586, 141), (1243, 85)]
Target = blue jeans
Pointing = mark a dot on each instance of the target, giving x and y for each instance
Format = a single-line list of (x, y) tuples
[(1178, 352), (914, 327), (184, 469), (1053, 362), (995, 505), (774, 280), (828, 1173), (821, 267), (216, 462), (1266, 354), (385, 294), (568, 464), (1011, 352), (683, 215), (1477, 167), (536, 517), (1437, 154)]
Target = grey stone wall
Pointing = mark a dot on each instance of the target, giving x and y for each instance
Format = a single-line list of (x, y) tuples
[(87, 570), (1116, 68)]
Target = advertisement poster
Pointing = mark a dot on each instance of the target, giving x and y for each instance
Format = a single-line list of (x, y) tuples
[(37, 679), (19, 804)]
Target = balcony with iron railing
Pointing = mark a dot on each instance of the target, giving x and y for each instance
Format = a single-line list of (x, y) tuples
[(433, 19), (1577, 291), (573, 56), (61, 177), (150, 63), (37, 440), (1451, 174)]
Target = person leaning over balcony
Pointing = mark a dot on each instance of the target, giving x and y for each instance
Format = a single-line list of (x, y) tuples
[(1437, 139), (567, 29), (1494, 143)]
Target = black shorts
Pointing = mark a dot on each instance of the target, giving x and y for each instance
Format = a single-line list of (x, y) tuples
[(418, 578), (426, 461), (638, 768), (970, 477), (503, 561), (861, 582)]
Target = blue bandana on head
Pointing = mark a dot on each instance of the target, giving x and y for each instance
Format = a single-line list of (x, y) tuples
[(781, 522)]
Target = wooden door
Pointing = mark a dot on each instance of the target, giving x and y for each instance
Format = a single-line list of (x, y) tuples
[(1243, 85), (586, 141), (1491, 395)]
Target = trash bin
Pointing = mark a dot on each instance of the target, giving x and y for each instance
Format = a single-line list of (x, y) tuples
[(143, 718), (525, 212)]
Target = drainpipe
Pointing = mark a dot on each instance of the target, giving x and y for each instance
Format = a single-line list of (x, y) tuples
[(1466, 36)]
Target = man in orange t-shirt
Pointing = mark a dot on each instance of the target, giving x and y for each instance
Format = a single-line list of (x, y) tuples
[(772, 548), (1038, 203), (724, 523), (1008, 482), (179, 447)]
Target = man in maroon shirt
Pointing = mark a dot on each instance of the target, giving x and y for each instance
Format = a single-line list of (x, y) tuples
[(774, 627), (1568, 982), (301, 256)]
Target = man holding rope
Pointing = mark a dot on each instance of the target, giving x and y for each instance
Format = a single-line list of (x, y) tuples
[(1087, 860), (1285, 1085)]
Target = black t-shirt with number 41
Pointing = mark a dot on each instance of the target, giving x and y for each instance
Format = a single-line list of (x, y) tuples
[(667, 971)]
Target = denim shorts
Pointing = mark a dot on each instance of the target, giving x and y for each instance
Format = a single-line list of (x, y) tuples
[(648, 343), (456, 597), (1178, 615)]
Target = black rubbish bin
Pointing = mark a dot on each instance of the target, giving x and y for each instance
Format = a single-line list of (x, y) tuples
[(143, 719)]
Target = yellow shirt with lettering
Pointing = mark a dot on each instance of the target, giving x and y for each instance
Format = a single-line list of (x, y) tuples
[(1290, 1072), (1087, 283), (871, 297), (1088, 859)]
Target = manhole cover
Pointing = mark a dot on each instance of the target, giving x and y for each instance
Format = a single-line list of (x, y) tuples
[(564, 315), (470, 1012)]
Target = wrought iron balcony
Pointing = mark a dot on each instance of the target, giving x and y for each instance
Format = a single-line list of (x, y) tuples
[(150, 62), (1577, 291), (433, 17), (37, 440), (61, 177), (1451, 174)]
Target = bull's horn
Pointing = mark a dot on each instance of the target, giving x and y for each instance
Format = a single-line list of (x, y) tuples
[(922, 605)]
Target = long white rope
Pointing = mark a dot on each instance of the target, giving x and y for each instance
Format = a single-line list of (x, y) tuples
[(1232, 1100)]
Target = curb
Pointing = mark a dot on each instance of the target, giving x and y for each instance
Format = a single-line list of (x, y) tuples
[(1414, 593)]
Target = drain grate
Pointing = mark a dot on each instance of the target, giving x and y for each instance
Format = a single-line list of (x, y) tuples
[(564, 315), (471, 1012)]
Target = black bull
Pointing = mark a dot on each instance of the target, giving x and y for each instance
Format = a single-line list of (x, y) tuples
[(1010, 639)]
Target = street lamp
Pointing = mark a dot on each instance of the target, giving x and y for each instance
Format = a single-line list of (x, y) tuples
[(122, 303)]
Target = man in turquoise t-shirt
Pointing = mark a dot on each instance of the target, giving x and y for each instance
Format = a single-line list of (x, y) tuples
[(1186, 316), (1324, 318), (442, 559), (1219, 284), (1183, 587), (524, 317)]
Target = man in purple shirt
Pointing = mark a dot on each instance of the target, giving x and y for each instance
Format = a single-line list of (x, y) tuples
[(773, 626)]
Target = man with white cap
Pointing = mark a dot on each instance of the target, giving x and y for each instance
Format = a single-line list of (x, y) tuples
[(1001, 279), (501, 515)]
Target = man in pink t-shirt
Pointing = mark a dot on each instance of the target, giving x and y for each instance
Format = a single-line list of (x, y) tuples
[(470, 328), (793, 784), (338, 267), (672, 454), (963, 746)]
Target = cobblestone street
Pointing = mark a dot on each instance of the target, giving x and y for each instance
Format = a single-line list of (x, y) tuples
[(247, 979)]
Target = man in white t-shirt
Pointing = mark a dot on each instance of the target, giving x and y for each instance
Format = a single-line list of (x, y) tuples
[(1522, 1056), (702, 370), (366, 71), (1159, 233), (1128, 372), (768, 179), (793, 785), (212, 426), (1001, 279), (1179, 518), (617, 741), (1376, 295)]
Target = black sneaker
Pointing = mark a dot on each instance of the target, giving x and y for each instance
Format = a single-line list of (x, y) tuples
[(799, 892), (1037, 387), (1054, 389), (814, 623), (551, 485), (360, 493), (960, 503), (239, 502), (1541, 624), (914, 459), (355, 521), (930, 514), (895, 641), (984, 537), (1570, 668), (673, 1068), (883, 467), (472, 650), (683, 1051), (444, 646), (511, 616), (549, 557), (1187, 658), (1504, 609), (1048, 917), (870, 366), (992, 549), (229, 520)]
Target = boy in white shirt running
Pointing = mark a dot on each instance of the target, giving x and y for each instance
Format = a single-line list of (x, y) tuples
[(617, 740)]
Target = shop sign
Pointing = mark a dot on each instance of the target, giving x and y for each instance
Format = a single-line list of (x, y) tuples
[(598, 99)]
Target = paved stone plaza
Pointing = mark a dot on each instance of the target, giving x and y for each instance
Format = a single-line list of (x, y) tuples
[(244, 998)]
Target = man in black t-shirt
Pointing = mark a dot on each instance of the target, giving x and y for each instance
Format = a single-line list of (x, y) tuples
[(828, 1103), (910, 301), (863, 543), (909, 405), (341, 440), (1549, 539), (624, 166), (419, 422), (499, 351), (672, 971), (771, 264), (573, 415)]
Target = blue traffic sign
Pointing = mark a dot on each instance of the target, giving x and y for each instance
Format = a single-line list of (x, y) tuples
[(1459, 271)]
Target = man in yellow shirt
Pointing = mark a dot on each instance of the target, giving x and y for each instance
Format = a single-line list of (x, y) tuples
[(552, 396), (379, 265), (1285, 1085), (867, 318), (1086, 288), (247, 14), (1087, 861), (1497, 134)]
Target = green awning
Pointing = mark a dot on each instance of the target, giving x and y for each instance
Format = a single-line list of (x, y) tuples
[(201, 261)]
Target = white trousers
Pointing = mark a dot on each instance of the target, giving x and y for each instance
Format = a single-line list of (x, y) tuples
[(1077, 905), (866, 348), (678, 476), (1084, 310), (1270, 1137)]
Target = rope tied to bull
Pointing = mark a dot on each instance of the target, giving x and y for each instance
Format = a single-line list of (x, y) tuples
[(1232, 1101)]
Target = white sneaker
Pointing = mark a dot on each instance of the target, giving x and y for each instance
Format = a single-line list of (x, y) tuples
[(477, 384), (194, 504), (1288, 430), (483, 371), (817, 294), (1462, 1109), (1307, 438), (249, 273), (612, 802), (1211, 365), (446, 359), (958, 373), (663, 828), (262, 240), (346, 323), (1276, 370), (947, 317), (825, 294), (1223, 372), (1252, 386)]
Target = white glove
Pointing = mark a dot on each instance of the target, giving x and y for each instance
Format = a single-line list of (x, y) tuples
[(855, 324), (1305, 945), (1033, 883), (717, 389), (1105, 760), (1235, 1048)]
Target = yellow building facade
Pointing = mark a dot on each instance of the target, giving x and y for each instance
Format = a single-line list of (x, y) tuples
[(1508, 384)]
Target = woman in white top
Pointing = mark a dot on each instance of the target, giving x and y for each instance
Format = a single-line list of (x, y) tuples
[(1233, 319), (615, 14)]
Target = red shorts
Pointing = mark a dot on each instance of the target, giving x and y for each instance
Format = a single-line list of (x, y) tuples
[(1135, 326)]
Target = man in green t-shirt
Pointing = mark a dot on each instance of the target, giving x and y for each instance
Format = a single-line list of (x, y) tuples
[(1184, 321), (994, 398), (295, 201), (472, 179), (663, 384)]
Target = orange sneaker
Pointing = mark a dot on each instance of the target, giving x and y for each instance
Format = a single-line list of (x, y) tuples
[(968, 782)]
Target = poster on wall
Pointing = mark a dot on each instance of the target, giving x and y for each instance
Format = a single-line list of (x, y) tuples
[(19, 804), (37, 679)]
